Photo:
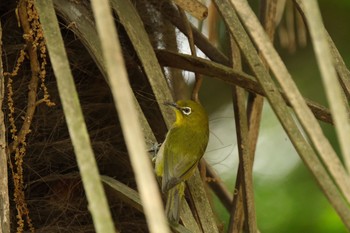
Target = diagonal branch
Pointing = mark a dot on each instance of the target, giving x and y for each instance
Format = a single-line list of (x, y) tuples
[(230, 76)]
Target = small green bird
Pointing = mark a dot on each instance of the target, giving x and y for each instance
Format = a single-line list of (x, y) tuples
[(181, 151)]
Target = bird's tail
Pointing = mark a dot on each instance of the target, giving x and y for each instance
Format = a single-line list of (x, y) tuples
[(174, 202)]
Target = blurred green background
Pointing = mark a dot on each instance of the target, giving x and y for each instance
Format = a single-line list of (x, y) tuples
[(287, 198)]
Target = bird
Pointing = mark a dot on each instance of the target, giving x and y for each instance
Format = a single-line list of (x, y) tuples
[(182, 149)]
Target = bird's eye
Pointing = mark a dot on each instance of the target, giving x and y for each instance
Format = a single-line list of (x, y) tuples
[(186, 110)]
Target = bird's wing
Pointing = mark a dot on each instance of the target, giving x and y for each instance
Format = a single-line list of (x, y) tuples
[(179, 160), (175, 170)]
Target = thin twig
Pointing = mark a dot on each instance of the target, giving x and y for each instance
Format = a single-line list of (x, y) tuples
[(238, 211), (33, 84), (218, 187), (245, 184), (189, 34), (245, 158), (19, 143)]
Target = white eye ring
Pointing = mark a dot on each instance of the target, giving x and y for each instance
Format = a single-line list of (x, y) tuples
[(186, 110)]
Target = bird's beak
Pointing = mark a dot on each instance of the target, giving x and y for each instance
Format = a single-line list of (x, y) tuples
[(171, 104)]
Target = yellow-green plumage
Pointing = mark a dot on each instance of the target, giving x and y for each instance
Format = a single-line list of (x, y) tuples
[(179, 155)]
